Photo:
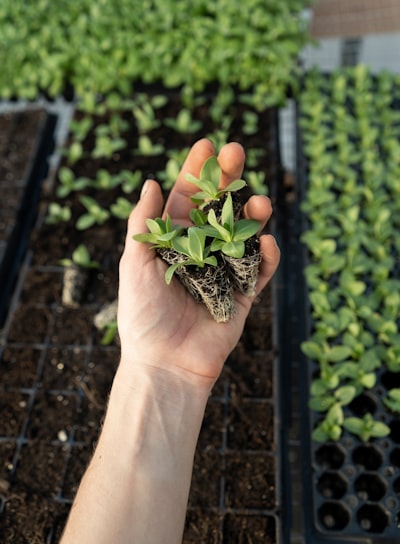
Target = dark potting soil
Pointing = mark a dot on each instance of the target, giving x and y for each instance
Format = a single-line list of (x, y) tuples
[(55, 375)]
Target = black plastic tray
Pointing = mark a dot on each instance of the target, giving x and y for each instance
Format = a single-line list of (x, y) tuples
[(13, 246), (351, 490)]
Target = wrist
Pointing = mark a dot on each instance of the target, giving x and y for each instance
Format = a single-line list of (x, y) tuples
[(171, 371)]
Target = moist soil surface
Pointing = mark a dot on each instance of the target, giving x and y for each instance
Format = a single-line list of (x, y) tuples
[(55, 373)]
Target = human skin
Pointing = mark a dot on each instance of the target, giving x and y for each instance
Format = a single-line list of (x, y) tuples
[(136, 487)]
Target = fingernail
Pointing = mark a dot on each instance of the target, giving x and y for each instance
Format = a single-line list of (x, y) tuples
[(144, 188)]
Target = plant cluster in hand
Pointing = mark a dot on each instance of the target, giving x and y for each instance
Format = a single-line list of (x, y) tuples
[(218, 253), (351, 139)]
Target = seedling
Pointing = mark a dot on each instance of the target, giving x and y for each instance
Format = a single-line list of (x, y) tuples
[(81, 128), (227, 235), (250, 122), (193, 246), (210, 175), (183, 123), (145, 117), (95, 214), (161, 233), (105, 180), (121, 208), (76, 275), (81, 258), (256, 181), (392, 400), (69, 183), (106, 146), (366, 427), (147, 148), (130, 180), (57, 214), (330, 428), (343, 396), (74, 152)]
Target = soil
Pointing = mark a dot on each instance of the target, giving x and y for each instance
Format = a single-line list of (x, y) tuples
[(55, 374)]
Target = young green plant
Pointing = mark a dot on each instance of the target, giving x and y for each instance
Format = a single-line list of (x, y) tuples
[(228, 235), (208, 183)]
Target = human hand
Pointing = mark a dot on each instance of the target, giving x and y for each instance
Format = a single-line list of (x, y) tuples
[(162, 326)]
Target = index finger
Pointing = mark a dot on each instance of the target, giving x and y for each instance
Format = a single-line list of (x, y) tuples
[(179, 204)]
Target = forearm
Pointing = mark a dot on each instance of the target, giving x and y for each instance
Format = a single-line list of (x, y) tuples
[(137, 484)]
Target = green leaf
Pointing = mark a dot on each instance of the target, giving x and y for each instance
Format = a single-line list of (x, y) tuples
[(211, 171), (345, 394), (85, 221), (233, 249), (335, 414), (170, 272), (196, 243), (312, 350), (235, 185), (227, 218), (318, 388), (338, 353), (197, 217), (368, 380), (181, 244), (245, 229), (219, 231), (321, 403)]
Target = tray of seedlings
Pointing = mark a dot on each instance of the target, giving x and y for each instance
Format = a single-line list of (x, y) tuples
[(349, 178), (55, 376)]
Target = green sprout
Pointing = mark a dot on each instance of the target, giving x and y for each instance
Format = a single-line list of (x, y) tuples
[(343, 396), (330, 428), (229, 236), (193, 246), (81, 258), (161, 233), (392, 401), (121, 208), (183, 123), (210, 175), (366, 427), (95, 214), (147, 148), (57, 214), (70, 183)]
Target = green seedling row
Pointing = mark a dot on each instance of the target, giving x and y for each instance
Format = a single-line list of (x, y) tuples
[(350, 127), (99, 47)]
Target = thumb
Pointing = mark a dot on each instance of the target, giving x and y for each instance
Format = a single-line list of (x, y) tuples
[(149, 206)]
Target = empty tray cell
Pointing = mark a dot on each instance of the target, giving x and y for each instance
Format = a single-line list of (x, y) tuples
[(249, 481), (367, 457), (330, 456), (332, 485), (261, 528), (20, 365), (334, 516), (373, 518), (14, 408), (370, 487)]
